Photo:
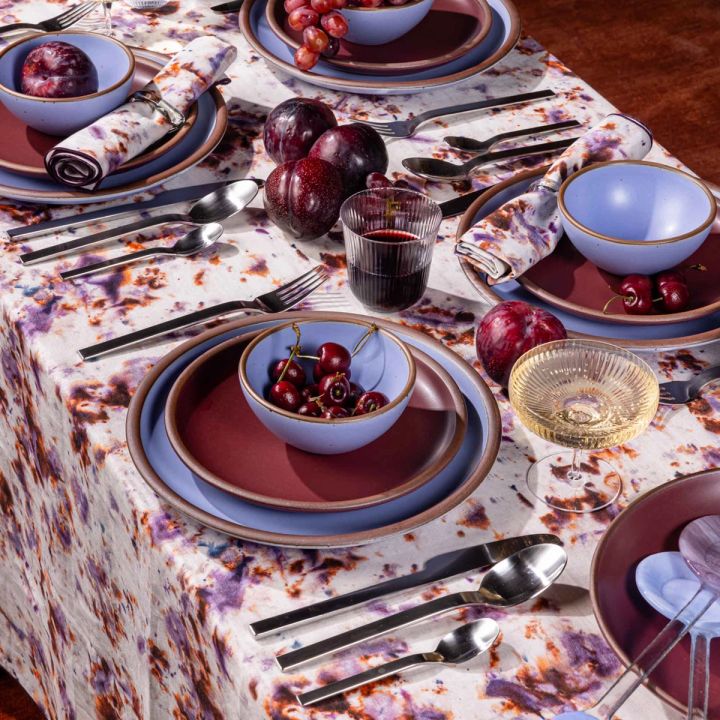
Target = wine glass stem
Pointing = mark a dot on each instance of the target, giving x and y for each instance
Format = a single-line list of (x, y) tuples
[(575, 474), (107, 11)]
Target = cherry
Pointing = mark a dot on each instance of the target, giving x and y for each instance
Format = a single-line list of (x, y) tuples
[(334, 412), (636, 291), (309, 392), (310, 409), (355, 392), (294, 374), (669, 276), (334, 389), (315, 39), (285, 396), (319, 373), (370, 402), (333, 358), (376, 180), (674, 296)]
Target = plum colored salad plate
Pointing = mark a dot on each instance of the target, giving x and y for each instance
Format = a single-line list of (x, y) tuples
[(196, 144), (651, 524), (567, 280), (23, 149), (500, 40), (214, 431), (449, 31), (163, 469), (681, 331)]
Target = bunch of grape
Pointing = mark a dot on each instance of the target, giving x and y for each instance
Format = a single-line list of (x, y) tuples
[(321, 26)]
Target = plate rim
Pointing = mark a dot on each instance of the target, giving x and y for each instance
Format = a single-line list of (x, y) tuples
[(452, 500), (492, 298), (390, 68), (595, 580), (415, 482), (382, 84)]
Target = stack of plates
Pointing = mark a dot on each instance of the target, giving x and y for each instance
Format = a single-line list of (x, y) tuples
[(22, 171), (196, 442), (457, 40), (572, 288)]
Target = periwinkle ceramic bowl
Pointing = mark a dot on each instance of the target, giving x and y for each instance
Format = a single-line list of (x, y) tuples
[(115, 65), (384, 364), (631, 216), (377, 26)]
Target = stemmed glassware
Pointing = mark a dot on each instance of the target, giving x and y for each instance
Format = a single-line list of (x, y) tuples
[(583, 395)]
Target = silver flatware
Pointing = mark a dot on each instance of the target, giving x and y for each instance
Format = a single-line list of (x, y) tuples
[(457, 647), (679, 392), (115, 212), (60, 22), (197, 240), (214, 207), (406, 128), (443, 171), (228, 7), (512, 581), (466, 144), (283, 298), (440, 567)]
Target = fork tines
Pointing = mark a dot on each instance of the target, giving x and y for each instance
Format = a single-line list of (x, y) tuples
[(70, 16)]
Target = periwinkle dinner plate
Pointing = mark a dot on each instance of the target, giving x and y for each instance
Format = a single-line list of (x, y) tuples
[(162, 468), (504, 33), (196, 144), (640, 336)]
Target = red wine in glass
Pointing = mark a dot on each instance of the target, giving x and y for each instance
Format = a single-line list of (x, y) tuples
[(392, 273)]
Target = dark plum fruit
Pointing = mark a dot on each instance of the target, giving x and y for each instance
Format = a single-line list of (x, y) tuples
[(356, 150), (293, 126), (58, 70), (303, 197)]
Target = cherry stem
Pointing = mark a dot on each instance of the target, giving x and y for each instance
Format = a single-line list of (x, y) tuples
[(612, 299), (294, 351), (361, 342)]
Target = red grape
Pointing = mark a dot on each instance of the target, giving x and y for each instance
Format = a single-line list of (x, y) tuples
[(291, 5), (332, 48), (322, 6), (302, 17), (305, 58), (397, 2), (376, 180), (370, 3), (339, 4), (315, 39), (334, 24)]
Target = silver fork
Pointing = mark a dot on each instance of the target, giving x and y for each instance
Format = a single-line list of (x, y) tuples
[(405, 128), (679, 392), (466, 144), (283, 298), (60, 22)]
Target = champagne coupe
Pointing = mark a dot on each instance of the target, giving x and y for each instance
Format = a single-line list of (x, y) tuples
[(584, 395)]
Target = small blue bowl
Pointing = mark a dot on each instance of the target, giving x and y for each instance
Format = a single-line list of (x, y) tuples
[(631, 216), (384, 364), (115, 66), (380, 25)]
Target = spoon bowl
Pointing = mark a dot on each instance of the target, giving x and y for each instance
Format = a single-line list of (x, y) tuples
[(700, 547), (197, 240), (468, 641), (223, 203)]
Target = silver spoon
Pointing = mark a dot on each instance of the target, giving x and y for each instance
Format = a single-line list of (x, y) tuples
[(515, 580), (213, 207), (457, 647), (191, 243)]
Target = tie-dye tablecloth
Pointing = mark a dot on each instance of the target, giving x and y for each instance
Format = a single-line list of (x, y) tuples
[(112, 605)]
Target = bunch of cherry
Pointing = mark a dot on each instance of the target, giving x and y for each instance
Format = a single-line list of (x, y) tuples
[(640, 294), (331, 395)]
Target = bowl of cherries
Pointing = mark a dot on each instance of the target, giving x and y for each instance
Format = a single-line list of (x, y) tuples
[(327, 387)]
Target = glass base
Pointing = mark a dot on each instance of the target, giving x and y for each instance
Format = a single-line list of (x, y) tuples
[(590, 487)]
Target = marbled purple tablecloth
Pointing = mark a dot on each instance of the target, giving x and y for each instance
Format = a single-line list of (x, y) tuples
[(113, 605)]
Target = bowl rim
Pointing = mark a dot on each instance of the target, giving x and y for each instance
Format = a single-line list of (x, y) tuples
[(401, 396), (643, 163), (127, 76), (408, 4)]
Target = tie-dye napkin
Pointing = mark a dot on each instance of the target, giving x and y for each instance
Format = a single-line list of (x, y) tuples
[(91, 154), (509, 241)]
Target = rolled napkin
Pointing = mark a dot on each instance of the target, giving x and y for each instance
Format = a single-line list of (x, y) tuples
[(509, 241), (91, 154)]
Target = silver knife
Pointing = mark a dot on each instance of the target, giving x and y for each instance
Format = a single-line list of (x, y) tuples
[(458, 205), (437, 568)]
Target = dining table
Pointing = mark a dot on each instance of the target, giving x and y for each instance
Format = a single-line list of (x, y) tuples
[(113, 604)]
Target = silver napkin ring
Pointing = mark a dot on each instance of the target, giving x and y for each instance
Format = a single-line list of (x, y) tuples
[(171, 114)]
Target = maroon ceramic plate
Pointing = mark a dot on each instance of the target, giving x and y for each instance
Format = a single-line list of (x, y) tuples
[(450, 30), (567, 280), (651, 524), (23, 149), (216, 434)]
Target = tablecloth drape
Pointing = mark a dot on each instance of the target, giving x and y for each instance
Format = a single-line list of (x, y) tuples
[(113, 605)]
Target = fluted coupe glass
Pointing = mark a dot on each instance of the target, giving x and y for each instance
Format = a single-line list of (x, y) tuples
[(389, 235), (584, 395)]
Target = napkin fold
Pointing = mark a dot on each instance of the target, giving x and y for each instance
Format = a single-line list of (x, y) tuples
[(523, 231), (91, 154)]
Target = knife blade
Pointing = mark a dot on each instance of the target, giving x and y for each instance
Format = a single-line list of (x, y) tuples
[(458, 205), (228, 7), (440, 567)]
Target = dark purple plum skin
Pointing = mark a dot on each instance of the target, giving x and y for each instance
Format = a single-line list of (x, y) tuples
[(356, 150), (293, 126), (58, 70), (303, 197)]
